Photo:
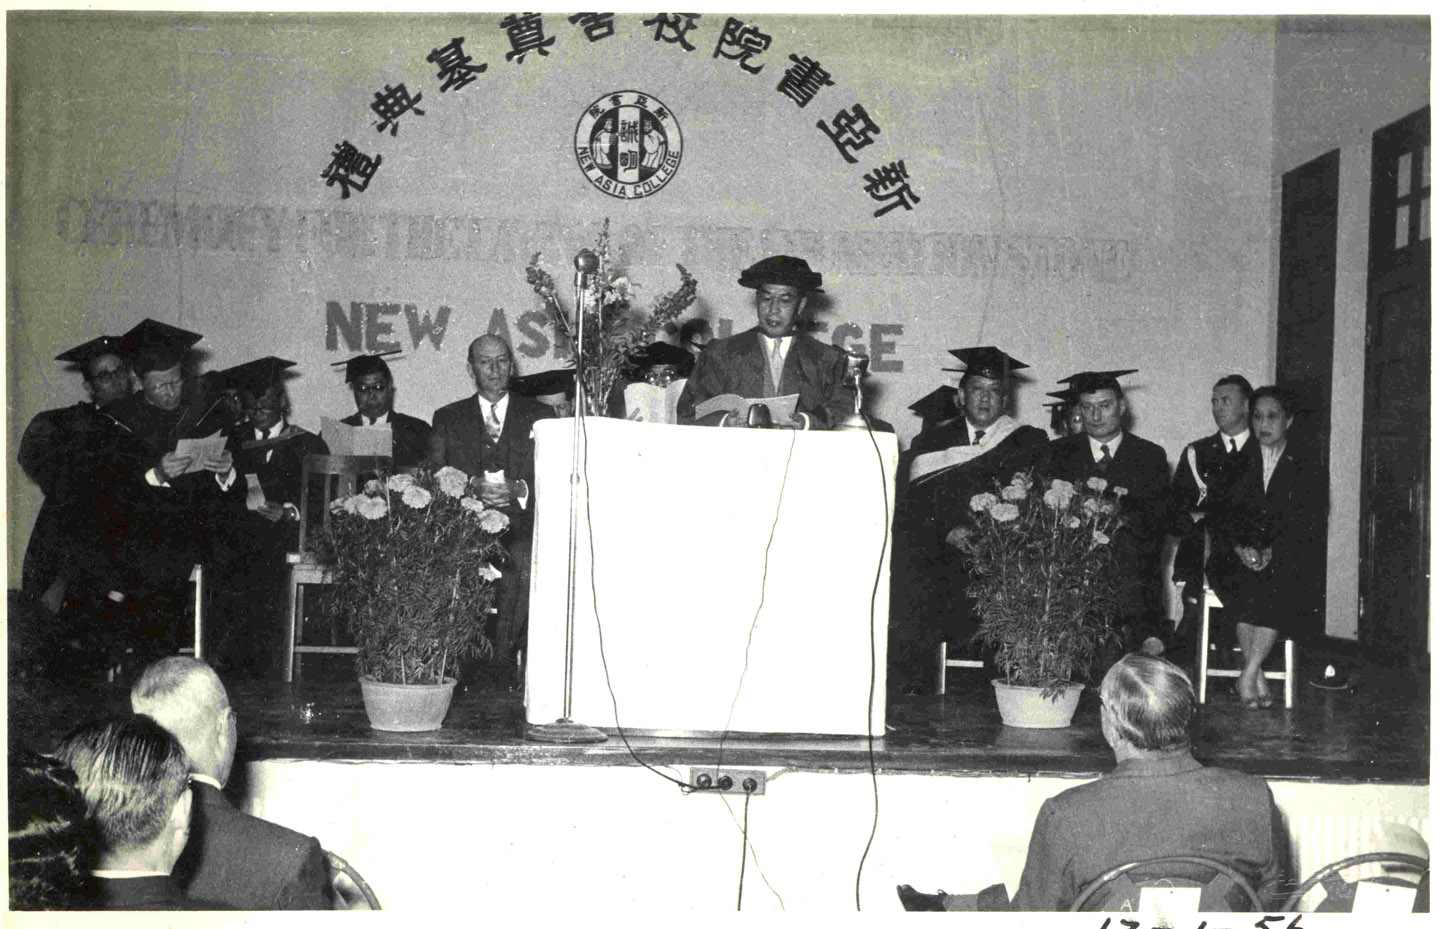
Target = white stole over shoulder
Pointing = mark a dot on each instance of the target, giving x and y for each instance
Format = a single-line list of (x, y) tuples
[(930, 462)]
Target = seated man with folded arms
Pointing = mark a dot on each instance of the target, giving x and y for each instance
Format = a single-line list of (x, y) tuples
[(232, 857), (133, 776), (1159, 801)]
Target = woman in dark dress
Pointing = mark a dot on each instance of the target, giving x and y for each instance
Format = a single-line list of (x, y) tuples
[(1268, 536)]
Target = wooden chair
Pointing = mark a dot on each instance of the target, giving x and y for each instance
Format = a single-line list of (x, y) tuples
[(1123, 885), (946, 662), (1340, 893), (338, 476), (1209, 602), (339, 866)]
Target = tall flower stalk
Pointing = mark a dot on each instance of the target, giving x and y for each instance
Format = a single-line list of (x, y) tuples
[(615, 330)]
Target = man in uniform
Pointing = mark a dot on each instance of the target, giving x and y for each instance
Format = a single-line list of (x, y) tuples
[(488, 435), (374, 388), (1204, 471), (928, 590), (772, 359), (1108, 451)]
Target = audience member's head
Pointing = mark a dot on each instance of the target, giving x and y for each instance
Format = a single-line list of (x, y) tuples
[(492, 364), (1146, 706), (51, 849), (371, 383), (186, 697), (134, 777)]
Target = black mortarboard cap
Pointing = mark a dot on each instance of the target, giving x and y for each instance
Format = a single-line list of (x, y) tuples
[(361, 365), (937, 404), (257, 376), (780, 269), (1063, 397), (986, 361), (81, 355), (156, 346), (1087, 381), (545, 383), (661, 353)]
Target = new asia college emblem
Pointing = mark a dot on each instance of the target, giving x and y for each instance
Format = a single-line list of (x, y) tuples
[(628, 144)]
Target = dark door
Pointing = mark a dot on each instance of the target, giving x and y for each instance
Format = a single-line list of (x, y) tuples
[(1395, 494)]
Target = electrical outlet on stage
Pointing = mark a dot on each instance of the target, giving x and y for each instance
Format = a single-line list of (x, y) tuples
[(727, 780)]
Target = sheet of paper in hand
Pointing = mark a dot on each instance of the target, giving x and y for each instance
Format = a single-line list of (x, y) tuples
[(782, 409), (200, 450), (356, 440)]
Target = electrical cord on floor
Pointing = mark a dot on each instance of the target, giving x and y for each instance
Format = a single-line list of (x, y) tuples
[(870, 703), (754, 854), (744, 848)]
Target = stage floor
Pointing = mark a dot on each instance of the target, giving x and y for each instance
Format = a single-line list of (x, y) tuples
[(1378, 734)]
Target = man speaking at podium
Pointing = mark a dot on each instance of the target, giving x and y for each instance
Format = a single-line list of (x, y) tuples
[(772, 360)]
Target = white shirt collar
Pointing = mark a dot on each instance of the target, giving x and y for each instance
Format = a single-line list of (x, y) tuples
[(769, 344), (971, 429), (274, 431), (379, 421), (500, 406), (1239, 440), (205, 779), (1113, 442)]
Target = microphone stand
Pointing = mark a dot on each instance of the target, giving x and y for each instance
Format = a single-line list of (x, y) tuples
[(565, 731)]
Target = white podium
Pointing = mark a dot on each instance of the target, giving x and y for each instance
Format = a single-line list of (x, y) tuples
[(674, 579)]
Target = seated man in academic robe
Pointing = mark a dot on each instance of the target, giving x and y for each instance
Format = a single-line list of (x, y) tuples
[(270, 454), (155, 507), (772, 359), (1158, 802), (488, 435), (928, 600)]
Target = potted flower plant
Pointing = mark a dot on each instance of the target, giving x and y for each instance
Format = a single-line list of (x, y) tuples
[(1045, 583), (617, 330), (412, 560)]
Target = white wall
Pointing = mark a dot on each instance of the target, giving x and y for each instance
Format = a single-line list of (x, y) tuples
[(620, 839), (1094, 193), (1336, 82)]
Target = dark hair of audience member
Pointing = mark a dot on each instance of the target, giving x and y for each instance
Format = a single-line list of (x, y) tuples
[(1236, 380), (1279, 394), (51, 848), (1152, 703), (131, 771)]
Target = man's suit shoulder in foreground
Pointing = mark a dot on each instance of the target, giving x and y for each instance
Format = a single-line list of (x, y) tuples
[(248, 863)]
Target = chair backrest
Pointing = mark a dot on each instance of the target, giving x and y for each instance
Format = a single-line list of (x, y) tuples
[(1223, 889), (339, 866), (338, 476), (1342, 892)]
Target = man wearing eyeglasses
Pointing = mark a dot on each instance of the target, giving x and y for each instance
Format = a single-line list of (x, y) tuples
[(374, 389), (773, 359)]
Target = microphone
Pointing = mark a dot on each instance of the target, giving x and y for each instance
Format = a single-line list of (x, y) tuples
[(586, 264)]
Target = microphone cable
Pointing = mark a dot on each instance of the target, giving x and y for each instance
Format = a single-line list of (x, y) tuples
[(870, 702)]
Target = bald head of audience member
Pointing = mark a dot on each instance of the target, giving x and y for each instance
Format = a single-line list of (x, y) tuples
[(135, 780), (186, 697), (1146, 705)]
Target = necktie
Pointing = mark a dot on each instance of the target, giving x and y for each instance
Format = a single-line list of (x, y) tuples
[(1233, 448), (1104, 462), (492, 422), (979, 435), (777, 365)]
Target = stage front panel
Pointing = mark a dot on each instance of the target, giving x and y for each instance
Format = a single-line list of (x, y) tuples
[(738, 579)]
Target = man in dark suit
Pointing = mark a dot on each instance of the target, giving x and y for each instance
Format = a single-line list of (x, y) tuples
[(772, 360), (374, 388), (958, 460), (488, 436), (231, 857), (1158, 802), (1204, 472), (1122, 459), (133, 774)]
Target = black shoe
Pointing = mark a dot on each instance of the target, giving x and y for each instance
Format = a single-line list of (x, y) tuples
[(1333, 677), (916, 902)]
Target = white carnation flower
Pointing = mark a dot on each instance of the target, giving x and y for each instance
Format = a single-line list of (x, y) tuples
[(452, 481), (416, 496), (399, 482)]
